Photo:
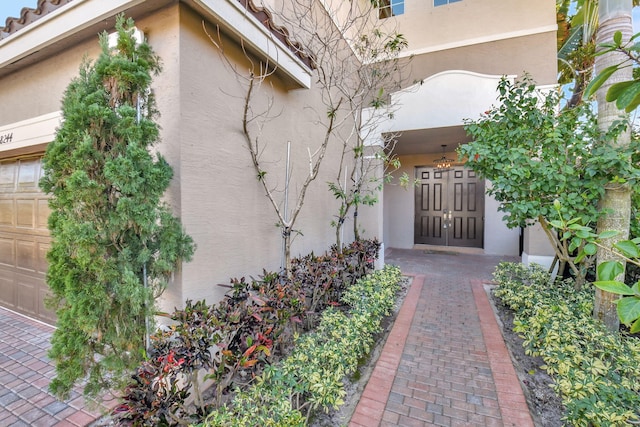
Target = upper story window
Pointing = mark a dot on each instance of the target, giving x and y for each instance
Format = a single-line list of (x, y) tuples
[(443, 2), (390, 8)]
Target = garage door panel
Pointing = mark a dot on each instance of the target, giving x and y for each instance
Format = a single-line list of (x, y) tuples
[(7, 213), (7, 287), (26, 295), (7, 251), (43, 214), (8, 177), (26, 255), (45, 314), (42, 264), (28, 173), (24, 239), (25, 209)]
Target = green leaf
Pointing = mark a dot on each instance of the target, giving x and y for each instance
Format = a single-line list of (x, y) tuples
[(556, 224), (572, 42), (629, 309), (575, 244), (635, 328), (590, 249), (616, 90), (608, 234), (628, 248), (627, 96), (613, 287), (633, 104), (617, 38), (608, 270), (599, 80)]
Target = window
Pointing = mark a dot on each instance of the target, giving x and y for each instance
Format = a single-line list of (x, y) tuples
[(443, 2), (390, 8)]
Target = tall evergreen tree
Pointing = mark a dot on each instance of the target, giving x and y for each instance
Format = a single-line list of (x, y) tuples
[(115, 243)]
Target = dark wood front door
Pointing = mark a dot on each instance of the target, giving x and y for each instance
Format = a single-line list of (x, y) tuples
[(449, 207)]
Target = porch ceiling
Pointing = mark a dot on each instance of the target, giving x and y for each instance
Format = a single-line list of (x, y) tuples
[(429, 141)]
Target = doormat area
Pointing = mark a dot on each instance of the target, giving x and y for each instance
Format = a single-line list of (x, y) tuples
[(436, 252)]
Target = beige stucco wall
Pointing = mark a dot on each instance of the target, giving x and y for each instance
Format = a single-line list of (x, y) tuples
[(37, 89), (214, 191), (223, 205), (470, 22), (534, 54)]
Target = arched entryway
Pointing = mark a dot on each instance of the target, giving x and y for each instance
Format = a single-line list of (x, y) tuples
[(428, 115)]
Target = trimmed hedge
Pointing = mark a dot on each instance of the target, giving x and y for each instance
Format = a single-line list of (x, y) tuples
[(596, 373), (312, 377)]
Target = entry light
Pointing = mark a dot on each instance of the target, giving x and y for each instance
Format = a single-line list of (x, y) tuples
[(443, 163)]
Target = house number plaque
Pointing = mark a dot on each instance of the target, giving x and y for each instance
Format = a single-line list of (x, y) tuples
[(6, 138)]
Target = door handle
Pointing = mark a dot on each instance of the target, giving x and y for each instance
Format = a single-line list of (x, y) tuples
[(446, 219)]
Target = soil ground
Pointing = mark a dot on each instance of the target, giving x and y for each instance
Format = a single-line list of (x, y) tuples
[(544, 405)]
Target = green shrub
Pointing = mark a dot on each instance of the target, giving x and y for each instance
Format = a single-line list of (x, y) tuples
[(115, 243), (238, 337), (595, 372), (312, 377)]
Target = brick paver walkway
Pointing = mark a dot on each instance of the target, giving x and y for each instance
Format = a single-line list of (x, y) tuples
[(25, 373), (444, 362)]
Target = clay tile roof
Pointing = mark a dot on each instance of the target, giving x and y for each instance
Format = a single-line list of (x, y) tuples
[(29, 15), (281, 33)]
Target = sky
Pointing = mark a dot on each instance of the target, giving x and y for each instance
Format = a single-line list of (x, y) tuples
[(13, 7)]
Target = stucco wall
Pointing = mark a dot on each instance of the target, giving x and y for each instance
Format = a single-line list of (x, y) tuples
[(214, 191), (223, 205), (534, 54), (37, 89), (470, 22)]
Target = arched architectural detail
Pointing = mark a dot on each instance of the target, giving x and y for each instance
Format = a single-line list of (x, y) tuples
[(444, 99)]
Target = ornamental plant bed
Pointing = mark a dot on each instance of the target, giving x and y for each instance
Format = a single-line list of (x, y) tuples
[(544, 404), (238, 342), (556, 342)]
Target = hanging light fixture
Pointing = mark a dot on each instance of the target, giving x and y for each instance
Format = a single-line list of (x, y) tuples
[(443, 163)]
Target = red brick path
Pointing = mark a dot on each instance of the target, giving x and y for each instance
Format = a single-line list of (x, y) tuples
[(444, 362), (25, 373)]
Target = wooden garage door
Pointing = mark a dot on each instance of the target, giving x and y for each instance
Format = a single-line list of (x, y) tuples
[(24, 238)]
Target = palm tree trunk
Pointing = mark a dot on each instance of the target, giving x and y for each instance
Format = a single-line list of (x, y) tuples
[(614, 15)]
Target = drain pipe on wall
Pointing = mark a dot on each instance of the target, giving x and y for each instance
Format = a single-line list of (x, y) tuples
[(286, 204)]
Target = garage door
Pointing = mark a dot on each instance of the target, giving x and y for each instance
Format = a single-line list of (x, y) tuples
[(24, 238)]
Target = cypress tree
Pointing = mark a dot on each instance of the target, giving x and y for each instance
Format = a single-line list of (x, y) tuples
[(115, 244)]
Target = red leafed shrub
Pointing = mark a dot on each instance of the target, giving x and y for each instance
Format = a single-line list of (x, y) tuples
[(232, 341)]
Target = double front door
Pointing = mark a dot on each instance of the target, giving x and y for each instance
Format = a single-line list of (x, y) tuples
[(449, 207)]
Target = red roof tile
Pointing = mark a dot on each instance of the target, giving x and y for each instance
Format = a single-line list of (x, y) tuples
[(29, 15)]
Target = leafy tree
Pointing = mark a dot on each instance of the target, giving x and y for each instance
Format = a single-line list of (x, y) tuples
[(534, 155), (578, 22), (576, 45), (115, 244)]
